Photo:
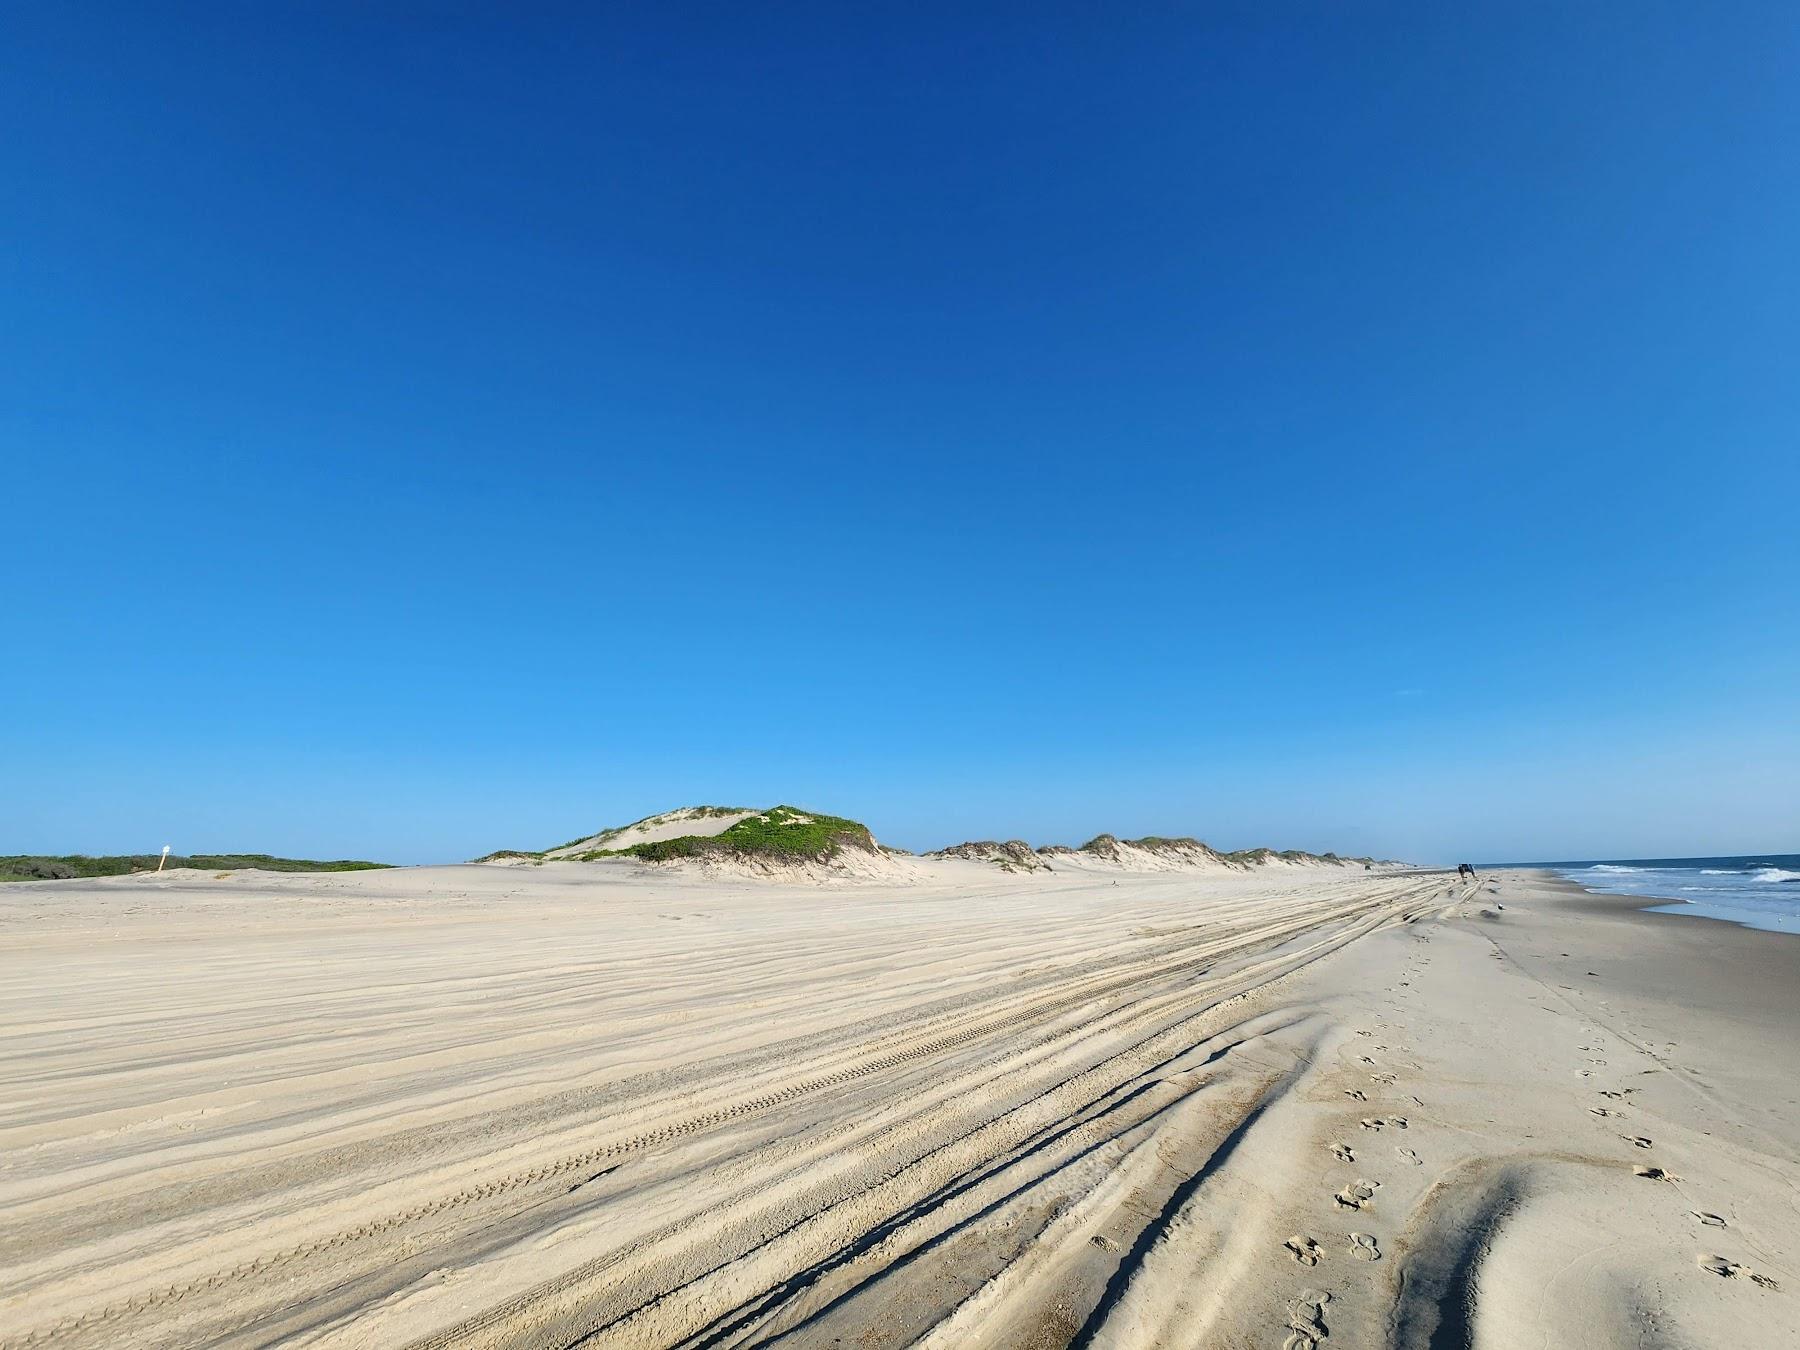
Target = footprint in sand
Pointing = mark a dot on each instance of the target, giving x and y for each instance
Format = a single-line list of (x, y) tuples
[(1357, 1194), (1365, 1059), (1306, 1320), (1655, 1174), (1410, 1156), (1636, 1140), (1602, 1111), (1385, 1122), (1355, 1094), (1343, 1152), (1365, 1033), (1304, 1250), (1363, 1248), (1731, 1270), (1385, 1079), (1710, 1220)]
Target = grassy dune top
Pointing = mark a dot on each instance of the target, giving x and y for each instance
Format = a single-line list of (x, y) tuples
[(1252, 856), (781, 831), (685, 813)]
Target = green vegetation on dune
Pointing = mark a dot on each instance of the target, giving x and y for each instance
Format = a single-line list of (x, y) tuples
[(40, 867), (601, 836), (1251, 856), (1106, 844), (779, 832)]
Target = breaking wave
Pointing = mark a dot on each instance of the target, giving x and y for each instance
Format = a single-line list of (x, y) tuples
[(1763, 891)]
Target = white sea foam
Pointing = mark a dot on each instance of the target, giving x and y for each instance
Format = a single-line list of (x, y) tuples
[(1759, 892)]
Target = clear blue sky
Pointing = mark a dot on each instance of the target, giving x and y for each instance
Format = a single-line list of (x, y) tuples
[(1366, 427)]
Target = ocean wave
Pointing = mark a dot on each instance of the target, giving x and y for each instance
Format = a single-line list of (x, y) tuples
[(1723, 872), (1776, 874), (1609, 867)]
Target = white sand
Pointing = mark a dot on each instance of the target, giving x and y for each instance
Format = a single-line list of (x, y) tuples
[(480, 1107)]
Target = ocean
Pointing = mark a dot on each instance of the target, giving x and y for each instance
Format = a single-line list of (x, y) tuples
[(1761, 890)]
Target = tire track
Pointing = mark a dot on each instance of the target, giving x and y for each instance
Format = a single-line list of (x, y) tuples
[(524, 1308), (534, 1120), (1069, 990)]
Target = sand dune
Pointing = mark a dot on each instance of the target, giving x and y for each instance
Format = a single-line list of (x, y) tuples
[(686, 820), (621, 1107)]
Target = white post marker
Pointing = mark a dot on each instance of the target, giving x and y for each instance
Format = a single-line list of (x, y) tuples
[(165, 857)]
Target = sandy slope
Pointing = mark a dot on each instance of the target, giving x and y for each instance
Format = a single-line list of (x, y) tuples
[(656, 829), (521, 1107)]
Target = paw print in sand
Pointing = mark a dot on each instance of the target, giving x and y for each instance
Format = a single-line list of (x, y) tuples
[(1304, 1250), (1731, 1270), (1357, 1194), (1306, 1320)]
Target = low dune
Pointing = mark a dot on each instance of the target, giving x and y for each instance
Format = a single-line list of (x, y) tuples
[(631, 1106)]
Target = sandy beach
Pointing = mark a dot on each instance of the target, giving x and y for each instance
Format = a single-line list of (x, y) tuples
[(616, 1105)]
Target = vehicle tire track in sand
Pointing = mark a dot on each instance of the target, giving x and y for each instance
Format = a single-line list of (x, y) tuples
[(1085, 988), (1093, 979), (522, 1309)]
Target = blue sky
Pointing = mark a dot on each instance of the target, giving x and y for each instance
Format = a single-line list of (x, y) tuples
[(1362, 427)]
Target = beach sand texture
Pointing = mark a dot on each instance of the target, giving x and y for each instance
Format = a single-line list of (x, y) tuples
[(610, 1105)]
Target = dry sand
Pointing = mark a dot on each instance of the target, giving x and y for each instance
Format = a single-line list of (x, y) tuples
[(543, 1106)]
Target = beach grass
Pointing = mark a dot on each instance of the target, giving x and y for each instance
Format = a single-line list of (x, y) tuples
[(781, 832)]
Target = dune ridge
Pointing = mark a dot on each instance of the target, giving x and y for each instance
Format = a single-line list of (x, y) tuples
[(752, 844)]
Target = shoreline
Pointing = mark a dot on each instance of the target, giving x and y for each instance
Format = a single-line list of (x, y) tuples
[(1649, 906)]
